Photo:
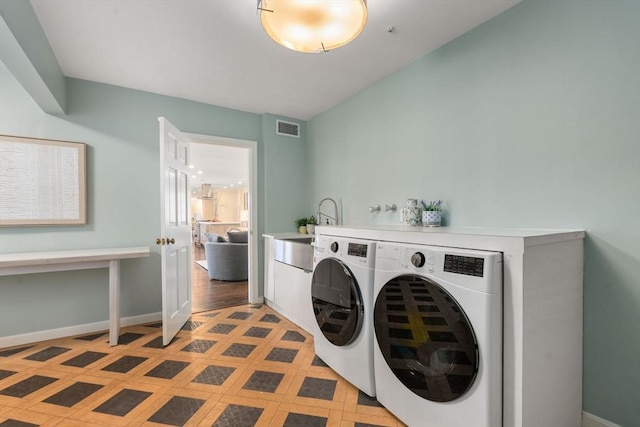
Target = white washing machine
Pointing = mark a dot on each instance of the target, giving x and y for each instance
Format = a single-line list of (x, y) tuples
[(438, 335), (342, 299)]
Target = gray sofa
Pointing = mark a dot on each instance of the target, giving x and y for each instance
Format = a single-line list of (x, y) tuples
[(227, 261)]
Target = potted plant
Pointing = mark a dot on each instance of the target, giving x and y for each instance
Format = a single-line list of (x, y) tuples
[(311, 225), (302, 225), (432, 213)]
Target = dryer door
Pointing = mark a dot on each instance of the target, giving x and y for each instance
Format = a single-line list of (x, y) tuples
[(337, 302), (425, 338)]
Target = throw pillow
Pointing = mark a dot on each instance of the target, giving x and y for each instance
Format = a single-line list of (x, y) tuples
[(238, 236), (213, 237)]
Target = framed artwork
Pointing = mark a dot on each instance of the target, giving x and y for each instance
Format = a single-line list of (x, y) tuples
[(42, 182)]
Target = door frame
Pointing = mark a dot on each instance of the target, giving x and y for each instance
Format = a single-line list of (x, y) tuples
[(253, 294)]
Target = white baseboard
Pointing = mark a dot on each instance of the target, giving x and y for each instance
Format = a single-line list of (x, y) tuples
[(69, 331), (590, 420)]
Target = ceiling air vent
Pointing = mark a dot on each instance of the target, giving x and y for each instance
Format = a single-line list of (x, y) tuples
[(288, 128)]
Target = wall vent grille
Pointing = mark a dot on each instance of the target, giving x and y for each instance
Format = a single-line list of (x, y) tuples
[(287, 128)]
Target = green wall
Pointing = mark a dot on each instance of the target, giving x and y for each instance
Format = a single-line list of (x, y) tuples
[(120, 127), (285, 176), (529, 121)]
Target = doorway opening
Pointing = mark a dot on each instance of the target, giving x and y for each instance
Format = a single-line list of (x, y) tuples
[(222, 186)]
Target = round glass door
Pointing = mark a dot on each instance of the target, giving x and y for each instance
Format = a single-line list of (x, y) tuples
[(425, 338), (337, 302)]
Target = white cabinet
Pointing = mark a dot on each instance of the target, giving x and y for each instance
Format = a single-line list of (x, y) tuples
[(293, 294), (302, 307), (287, 289), (269, 262)]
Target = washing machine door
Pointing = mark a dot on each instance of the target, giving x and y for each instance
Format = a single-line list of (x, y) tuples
[(425, 338), (337, 301)]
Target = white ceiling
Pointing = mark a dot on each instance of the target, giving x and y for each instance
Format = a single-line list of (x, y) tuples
[(224, 167), (215, 51)]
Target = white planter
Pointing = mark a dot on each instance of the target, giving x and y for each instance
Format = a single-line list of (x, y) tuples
[(431, 218)]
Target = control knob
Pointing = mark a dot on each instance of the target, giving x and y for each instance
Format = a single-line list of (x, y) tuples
[(334, 247), (417, 259)]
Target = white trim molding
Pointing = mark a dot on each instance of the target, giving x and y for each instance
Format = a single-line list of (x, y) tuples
[(69, 331), (590, 420)]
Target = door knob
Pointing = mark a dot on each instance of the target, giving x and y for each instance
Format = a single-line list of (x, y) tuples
[(391, 208), (171, 240), (375, 208)]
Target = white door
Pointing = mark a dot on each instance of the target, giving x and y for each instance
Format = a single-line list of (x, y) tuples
[(175, 230)]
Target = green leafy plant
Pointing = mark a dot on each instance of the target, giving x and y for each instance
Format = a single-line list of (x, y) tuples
[(433, 205), (311, 220), (301, 222)]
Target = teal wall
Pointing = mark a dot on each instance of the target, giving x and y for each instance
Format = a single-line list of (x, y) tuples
[(529, 121), (120, 127), (285, 176)]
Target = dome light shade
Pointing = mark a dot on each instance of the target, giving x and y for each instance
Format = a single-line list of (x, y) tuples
[(312, 26)]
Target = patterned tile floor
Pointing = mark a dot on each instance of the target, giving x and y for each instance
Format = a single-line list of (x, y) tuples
[(234, 367)]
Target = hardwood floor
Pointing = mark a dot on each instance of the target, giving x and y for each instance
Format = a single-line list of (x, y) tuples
[(207, 294)]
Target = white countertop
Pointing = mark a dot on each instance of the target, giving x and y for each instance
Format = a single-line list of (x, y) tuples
[(500, 239), (292, 235), (65, 257)]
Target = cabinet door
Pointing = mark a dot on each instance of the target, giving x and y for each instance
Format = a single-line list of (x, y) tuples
[(302, 307), (284, 277), (269, 269)]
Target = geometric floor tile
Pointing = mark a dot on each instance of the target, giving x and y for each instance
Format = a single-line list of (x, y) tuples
[(190, 325), (11, 352), (214, 375), (272, 378), (154, 325), (157, 342), (124, 364), (318, 388), (293, 336), (239, 350), (318, 362), (257, 332), (199, 346), (177, 411), (270, 318), (123, 402), (365, 400), (91, 337), (222, 328), (128, 338), (73, 394), (302, 420), (285, 355), (6, 374), (238, 416), (84, 359), (16, 423), (167, 369), (27, 386), (264, 381), (48, 353), (239, 315)]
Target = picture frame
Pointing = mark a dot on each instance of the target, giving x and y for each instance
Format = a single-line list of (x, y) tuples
[(42, 182)]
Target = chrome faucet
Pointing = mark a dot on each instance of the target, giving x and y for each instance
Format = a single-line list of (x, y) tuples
[(328, 217)]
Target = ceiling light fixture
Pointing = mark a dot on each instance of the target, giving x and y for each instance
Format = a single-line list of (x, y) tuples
[(313, 26)]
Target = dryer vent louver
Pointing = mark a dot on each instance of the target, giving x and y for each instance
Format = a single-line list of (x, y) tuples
[(287, 128)]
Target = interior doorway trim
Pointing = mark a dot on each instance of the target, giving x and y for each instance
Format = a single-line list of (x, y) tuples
[(253, 293)]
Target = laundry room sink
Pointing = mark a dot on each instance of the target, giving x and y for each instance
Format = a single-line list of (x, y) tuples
[(297, 252)]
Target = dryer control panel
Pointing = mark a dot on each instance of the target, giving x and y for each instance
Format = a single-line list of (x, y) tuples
[(470, 266)]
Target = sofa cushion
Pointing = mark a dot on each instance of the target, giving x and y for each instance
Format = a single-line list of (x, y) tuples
[(238, 236), (213, 237)]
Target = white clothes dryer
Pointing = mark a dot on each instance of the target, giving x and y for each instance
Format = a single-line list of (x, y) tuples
[(342, 299), (438, 335)]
